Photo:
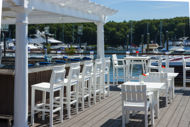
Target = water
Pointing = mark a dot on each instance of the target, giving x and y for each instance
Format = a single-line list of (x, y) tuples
[(137, 69)]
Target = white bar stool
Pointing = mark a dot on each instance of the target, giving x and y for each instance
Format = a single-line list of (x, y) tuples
[(86, 83), (97, 79), (107, 63), (56, 84), (116, 67), (72, 87)]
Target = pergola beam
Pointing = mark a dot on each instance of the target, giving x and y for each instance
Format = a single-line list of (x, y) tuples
[(54, 8)]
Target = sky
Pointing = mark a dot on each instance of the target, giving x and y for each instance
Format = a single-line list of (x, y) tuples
[(138, 10)]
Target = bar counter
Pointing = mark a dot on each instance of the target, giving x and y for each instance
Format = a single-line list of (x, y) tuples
[(35, 75)]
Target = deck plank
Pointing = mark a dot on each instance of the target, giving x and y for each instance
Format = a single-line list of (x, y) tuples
[(164, 109), (174, 122), (169, 113), (90, 111), (98, 114), (185, 120), (107, 113)]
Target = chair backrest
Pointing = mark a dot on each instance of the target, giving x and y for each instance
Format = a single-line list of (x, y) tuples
[(98, 67), (107, 63), (162, 76), (114, 59), (87, 69), (169, 70), (134, 93), (74, 72), (159, 61), (58, 75), (154, 77)]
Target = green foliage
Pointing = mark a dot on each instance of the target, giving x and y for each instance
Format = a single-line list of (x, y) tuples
[(70, 51), (116, 32)]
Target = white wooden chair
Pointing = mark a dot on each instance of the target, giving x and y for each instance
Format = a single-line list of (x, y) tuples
[(162, 77), (185, 69), (171, 80), (134, 98), (86, 83), (154, 67), (97, 80), (106, 88), (153, 78), (72, 88), (56, 84), (118, 64)]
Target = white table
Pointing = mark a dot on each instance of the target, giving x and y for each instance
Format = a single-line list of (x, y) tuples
[(135, 60), (152, 87)]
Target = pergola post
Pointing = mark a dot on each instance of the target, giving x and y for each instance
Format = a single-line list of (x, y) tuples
[(100, 40), (1, 2), (21, 70)]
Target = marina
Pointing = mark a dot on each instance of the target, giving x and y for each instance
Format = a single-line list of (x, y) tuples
[(82, 63)]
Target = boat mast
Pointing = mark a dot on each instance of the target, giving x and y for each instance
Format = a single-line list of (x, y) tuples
[(73, 34), (131, 33), (147, 28), (63, 34), (161, 33)]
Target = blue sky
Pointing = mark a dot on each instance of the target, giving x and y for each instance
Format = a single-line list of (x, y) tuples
[(138, 10)]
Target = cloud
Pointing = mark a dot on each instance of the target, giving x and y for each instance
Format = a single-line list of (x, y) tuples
[(164, 5)]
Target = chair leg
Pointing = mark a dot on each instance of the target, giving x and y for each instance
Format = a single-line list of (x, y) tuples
[(44, 102), (166, 98), (146, 118), (184, 78), (152, 114), (113, 76), (89, 92), (100, 82), (117, 77), (108, 83), (103, 86), (127, 116), (123, 117), (89, 100), (77, 103), (32, 106), (69, 109), (51, 109), (95, 84), (82, 103), (173, 90), (61, 104), (83, 95)]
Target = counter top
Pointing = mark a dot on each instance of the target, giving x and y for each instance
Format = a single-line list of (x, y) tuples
[(35, 69)]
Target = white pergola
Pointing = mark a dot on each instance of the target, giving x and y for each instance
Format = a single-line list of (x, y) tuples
[(24, 12)]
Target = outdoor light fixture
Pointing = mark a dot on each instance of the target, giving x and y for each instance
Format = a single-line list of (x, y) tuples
[(46, 29), (80, 33)]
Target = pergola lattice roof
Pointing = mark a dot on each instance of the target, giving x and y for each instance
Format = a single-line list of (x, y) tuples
[(57, 11)]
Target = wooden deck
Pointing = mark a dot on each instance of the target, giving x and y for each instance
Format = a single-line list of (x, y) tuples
[(107, 113)]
